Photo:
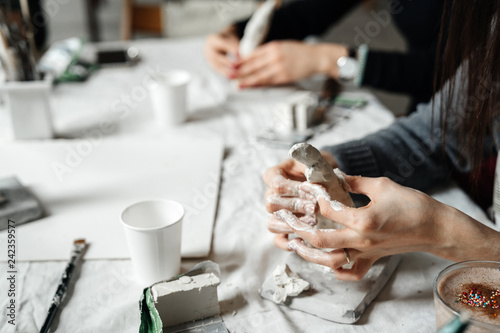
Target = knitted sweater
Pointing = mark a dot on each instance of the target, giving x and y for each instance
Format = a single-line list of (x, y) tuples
[(410, 151)]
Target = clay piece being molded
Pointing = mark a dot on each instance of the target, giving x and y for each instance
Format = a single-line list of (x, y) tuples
[(256, 28), (321, 172), (327, 297)]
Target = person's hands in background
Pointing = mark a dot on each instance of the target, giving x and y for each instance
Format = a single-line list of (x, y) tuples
[(217, 48), (281, 62)]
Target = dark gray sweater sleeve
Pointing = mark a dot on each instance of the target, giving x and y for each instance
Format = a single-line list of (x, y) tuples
[(410, 151)]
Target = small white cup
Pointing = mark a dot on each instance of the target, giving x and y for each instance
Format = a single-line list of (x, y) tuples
[(168, 97), (153, 230)]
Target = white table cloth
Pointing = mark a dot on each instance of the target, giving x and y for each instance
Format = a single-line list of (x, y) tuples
[(105, 297)]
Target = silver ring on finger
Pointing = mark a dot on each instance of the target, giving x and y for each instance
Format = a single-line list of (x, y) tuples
[(347, 256)]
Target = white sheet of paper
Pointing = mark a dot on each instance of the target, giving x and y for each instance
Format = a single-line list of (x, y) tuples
[(95, 181)]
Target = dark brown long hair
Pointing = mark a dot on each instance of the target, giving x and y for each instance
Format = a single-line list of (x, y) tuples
[(471, 29)]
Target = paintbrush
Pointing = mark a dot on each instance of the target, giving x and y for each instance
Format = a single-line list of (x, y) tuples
[(79, 247), (30, 39)]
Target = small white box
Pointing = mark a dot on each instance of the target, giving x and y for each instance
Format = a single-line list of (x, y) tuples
[(28, 107)]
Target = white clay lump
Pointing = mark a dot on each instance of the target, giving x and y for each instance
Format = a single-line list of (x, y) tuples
[(187, 299), (321, 172), (288, 284)]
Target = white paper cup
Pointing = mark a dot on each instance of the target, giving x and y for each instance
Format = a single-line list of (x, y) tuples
[(153, 230), (168, 97)]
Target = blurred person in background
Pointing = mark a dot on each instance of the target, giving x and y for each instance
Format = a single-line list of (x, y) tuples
[(284, 57)]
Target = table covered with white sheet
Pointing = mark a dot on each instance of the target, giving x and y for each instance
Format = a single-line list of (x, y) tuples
[(105, 297)]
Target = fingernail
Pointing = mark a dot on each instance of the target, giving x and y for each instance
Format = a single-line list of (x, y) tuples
[(292, 246), (337, 206), (310, 208)]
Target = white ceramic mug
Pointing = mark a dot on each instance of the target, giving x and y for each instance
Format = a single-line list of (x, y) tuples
[(153, 230), (168, 97)]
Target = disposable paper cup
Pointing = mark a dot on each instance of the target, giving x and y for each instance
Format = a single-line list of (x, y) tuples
[(168, 97), (462, 277), (153, 230)]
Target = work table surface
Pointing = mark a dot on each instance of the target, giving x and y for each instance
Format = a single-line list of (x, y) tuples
[(105, 297)]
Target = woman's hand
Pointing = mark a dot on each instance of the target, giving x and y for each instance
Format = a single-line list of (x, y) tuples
[(280, 62), (397, 220), (218, 46), (284, 182)]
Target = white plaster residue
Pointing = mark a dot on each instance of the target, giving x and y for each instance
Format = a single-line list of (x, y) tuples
[(185, 279), (288, 284), (279, 229), (197, 282), (308, 173), (288, 217), (296, 204), (341, 178), (309, 219), (318, 191)]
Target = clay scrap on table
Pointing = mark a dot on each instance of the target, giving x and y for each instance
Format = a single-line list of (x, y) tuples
[(184, 303), (321, 172), (256, 28), (329, 298), (287, 284)]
